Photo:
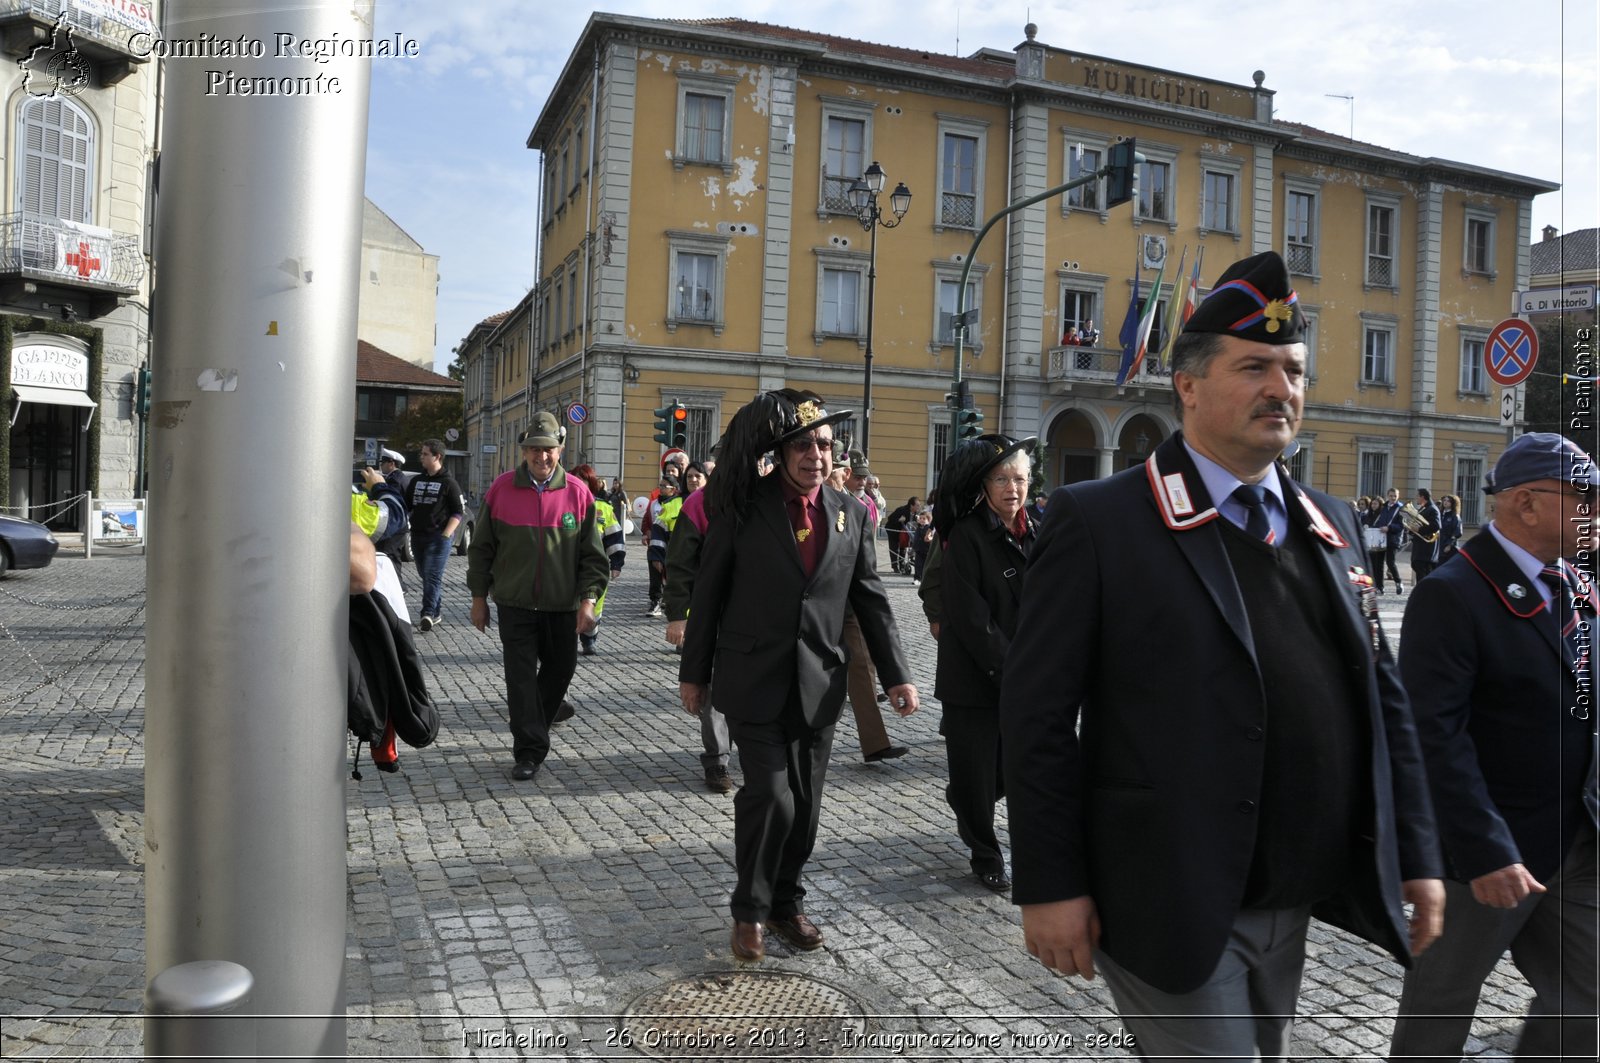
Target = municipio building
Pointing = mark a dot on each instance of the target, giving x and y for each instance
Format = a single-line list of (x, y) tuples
[(698, 244)]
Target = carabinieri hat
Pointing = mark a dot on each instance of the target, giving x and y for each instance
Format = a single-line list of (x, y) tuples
[(960, 487), (1252, 300), (1542, 456)]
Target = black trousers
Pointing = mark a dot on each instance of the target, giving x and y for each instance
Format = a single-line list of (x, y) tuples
[(972, 749), (1388, 559), (540, 655), (776, 811), (658, 580)]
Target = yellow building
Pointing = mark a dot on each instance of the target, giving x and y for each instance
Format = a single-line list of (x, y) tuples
[(698, 244)]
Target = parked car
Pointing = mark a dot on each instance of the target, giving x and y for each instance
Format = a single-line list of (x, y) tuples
[(25, 544)]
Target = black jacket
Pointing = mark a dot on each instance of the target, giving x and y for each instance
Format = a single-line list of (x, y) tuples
[(981, 584), (385, 677)]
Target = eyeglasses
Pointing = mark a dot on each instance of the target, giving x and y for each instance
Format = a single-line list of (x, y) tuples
[(805, 443), (1003, 481)]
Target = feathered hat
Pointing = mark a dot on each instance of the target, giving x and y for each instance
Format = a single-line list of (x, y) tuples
[(759, 427), (960, 488)]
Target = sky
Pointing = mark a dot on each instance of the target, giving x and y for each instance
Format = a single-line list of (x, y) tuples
[(1509, 86)]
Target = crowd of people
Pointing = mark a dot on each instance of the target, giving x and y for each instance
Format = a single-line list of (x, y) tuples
[(1175, 676)]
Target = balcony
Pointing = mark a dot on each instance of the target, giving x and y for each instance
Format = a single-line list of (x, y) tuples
[(83, 265), (1072, 367), (115, 37)]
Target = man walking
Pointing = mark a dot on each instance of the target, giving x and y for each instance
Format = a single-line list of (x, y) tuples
[(1181, 807), (783, 556), (1389, 521), (434, 499), (538, 551), (1495, 653)]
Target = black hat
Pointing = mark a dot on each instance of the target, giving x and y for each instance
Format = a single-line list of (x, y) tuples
[(1542, 456), (960, 489), (1252, 300)]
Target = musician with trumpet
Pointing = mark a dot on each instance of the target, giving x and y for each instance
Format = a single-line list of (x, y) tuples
[(1421, 519)]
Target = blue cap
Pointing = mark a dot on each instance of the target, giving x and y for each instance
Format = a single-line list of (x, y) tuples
[(1542, 456)]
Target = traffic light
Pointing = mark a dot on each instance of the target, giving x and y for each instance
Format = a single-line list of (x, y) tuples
[(969, 423), (664, 424), (680, 426), (141, 391), (1120, 182)]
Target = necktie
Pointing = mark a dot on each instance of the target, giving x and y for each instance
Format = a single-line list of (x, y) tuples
[(805, 537), (1253, 497), (1572, 601)]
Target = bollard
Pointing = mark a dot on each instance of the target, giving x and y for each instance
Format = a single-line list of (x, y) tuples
[(192, 1011)]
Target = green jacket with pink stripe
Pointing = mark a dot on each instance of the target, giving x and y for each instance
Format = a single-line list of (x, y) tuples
[(537, 549)]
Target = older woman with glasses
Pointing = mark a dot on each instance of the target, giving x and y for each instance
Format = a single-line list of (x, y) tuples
[(987, 536)]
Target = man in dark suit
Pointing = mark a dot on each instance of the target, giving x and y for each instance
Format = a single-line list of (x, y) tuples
[(1389, 521), (1185, 793), (784, 555), (1504, 702)]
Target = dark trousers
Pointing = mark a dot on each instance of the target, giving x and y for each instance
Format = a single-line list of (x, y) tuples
[(1375, 560), (1388, 560), (972, 749), (540, 656), (658, 580), (776, 811)]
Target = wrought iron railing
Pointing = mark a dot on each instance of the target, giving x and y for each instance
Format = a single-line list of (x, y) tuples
[(69, 252), (1301, 257), (836, 194), (1100, 365), (958, 208), (1380, 271), (114, 26)]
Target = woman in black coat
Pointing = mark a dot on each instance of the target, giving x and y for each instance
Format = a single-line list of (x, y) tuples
[(986, 535)]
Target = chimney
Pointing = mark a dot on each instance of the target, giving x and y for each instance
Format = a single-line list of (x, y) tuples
[(1548, 232)]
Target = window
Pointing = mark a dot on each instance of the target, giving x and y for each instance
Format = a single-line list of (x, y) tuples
[(1300, 463), (1313, 329), (1217, 207), (700, 437), (1078, 308), (947, 310), (1479, 255), (1469, 488), (1472, 370), (578, 168), (697, 267), (705, 102), (1300, 231), (958, 181), (555, 322), (550, 189), (1082, 159), (57, 160), (938, 443), (1155, 191), (1157, 340), (841, 300), (573, 321), (546, 328), (1374, 471), (846, 150), (566, 168), (947, 281), (1380, 246), (1377, 355)]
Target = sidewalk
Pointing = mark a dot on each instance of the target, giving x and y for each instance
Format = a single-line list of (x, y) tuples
[(515, 920)]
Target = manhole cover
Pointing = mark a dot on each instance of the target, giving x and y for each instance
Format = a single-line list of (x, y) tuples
[(743, 1015)]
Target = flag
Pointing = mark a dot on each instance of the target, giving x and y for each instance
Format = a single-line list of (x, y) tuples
[(1147, 319), (1169, 331), (1130, 326), (1190, 301)]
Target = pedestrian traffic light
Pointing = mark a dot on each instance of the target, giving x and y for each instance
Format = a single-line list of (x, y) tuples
[(680, 426), (664, 424), (141, 391), (1121, 180), (969, 424)]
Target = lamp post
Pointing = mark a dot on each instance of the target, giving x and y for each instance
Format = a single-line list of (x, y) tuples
[(863, 195)]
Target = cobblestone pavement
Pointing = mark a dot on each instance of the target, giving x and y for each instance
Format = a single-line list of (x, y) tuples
[(482, 911)]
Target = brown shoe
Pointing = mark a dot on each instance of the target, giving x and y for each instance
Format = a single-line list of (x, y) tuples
[(747, 943), (718, 781), (798, 931)]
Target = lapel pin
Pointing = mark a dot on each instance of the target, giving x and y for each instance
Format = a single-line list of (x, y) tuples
[(839, 524), (1516, 590)]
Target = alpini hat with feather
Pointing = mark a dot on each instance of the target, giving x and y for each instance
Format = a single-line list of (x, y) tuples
[(1252, 300)]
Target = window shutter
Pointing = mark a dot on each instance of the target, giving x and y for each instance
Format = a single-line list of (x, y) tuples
[(57, 151)]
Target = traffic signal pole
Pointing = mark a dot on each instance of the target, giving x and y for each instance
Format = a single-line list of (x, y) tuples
[(251, 429), (1121, 165)]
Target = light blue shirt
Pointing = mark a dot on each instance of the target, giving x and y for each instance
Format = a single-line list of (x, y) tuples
[(1220, 485), (1526, 563)]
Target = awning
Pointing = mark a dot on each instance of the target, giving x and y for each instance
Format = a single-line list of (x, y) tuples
[(52, 397)]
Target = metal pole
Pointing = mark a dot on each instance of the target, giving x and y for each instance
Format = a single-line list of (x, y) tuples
[(872, 289), (259, 241)]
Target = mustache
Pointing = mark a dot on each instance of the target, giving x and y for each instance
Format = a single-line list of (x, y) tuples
[(1271, 408)]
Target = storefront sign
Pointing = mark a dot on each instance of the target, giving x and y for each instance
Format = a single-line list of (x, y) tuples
[(47, 363)]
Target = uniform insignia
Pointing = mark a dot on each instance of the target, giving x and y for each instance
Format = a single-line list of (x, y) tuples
[(802, 534), (1368, 595), (568, 521), (1178, 492), (806, 412), (1516, 590), (839, 524)]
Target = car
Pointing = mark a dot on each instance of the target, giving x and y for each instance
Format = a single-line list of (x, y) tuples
[(469, 524), (25, 544)]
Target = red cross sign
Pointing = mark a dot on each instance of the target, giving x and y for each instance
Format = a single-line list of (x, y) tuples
[(1511, 351), (82, 260)]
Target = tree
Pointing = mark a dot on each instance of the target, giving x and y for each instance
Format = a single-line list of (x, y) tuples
[(1561, 392), (428, 419), (457, 369)]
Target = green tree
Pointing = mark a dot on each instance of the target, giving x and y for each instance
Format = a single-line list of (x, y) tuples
[(427, 419), (457, 369), (1561, 392)]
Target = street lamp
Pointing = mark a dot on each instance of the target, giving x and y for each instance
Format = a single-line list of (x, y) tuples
[(863, 194)]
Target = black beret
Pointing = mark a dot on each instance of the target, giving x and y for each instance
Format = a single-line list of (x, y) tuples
[(1252, 300)]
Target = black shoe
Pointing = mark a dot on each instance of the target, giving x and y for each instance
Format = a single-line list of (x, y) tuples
[(425, 624), (718, 781), (994, 880), (586, 647), (564, 711), (525, 770), (887, 753)]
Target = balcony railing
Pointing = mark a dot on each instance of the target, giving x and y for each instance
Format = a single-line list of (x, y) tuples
[(99, 29), (68, 253), (958, 209), (1301, 257), (836, 194), (1099, 365)]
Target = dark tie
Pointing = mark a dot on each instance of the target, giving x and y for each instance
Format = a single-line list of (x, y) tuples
[(1572, 600), (805, 535), (1253, 497)]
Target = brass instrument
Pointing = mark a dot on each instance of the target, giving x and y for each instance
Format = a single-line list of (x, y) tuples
[(1415, 522)]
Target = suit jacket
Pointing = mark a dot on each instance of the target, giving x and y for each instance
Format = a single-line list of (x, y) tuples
[(762, 629), (1493, 687), (1132, 717), (980, 587)]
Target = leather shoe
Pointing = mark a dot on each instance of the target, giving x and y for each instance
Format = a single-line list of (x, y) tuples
[(798, 931), (718, 781), (525, 770), (995, 880), (564, 711), (886, 753), (747, 943)]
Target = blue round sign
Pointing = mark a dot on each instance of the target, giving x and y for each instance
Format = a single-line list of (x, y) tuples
[(577, 413)]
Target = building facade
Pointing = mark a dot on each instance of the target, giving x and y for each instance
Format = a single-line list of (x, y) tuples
[(698, 244), (79, 126), (398, 308)]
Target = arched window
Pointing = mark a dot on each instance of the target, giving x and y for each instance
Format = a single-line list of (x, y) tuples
[(56, 142)]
